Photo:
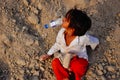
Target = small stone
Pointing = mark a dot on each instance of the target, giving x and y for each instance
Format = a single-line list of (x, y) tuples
[(118, 73), (99, 72), (36, 73), (93, 75), (31, 65), (33, 9), (113, 76), (13, 20), (110, 68), (42, 68), (20, 61), (33, 19), (100, 67), (25, 2), (39, 6), (103, 78), (118, 14), (35, 78), (36, 42), (108, 38), (104, 71), (32, 1), (43, 79), (24, 28), (7, 40), (21, 71), (29, 42), (109, 77)]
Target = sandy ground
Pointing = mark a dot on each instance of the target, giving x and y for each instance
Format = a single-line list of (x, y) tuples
[(23, 38)]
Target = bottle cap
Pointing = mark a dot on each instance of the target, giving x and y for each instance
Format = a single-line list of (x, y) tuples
[(46, 26)]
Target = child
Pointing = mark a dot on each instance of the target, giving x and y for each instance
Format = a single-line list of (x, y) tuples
[(71, 41)]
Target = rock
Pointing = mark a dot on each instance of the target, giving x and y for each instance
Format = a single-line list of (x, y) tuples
[(29, 42), (33, 19), (99, 72), (36, 42), (43, 79), (33, 9), (42, 68), (39, 6), (25, 2), (104, 71), (103, 78), (36, 73), (24, 28), (109, 77), (13, 20), (100, 67), (118, 14), (35, 78), (32, 64), (118, 73), (113, 76), (20, 77), (94, 75), (6, 40), (21, 71), (32, 1), (108, 38), (20, 61), (110, 68)]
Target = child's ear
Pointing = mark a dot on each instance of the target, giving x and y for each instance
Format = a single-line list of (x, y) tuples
[(73, 29)]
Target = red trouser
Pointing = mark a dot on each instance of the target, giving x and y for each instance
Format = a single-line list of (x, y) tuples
[(77, 65)]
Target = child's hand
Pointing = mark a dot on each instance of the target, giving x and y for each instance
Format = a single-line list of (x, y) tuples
[(44, 57)]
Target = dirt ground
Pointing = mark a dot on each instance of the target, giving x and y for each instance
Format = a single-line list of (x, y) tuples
[(23, 38)]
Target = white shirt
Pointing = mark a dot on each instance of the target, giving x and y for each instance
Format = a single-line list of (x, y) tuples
[(77, 46)]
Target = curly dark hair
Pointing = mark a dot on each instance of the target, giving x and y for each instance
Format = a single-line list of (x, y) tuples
[(79, 21)]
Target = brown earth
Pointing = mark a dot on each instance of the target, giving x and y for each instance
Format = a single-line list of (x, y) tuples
[(23, 38)]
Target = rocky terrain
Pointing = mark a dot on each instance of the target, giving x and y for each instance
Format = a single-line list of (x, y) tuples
[(23, 38)]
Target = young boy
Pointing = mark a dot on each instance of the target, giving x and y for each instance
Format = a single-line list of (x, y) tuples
[(72, 40)]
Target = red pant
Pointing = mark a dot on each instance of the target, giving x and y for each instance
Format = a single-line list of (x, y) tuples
[(77, 65)]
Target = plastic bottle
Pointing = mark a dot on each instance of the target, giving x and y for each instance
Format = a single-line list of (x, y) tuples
[(54, 23)]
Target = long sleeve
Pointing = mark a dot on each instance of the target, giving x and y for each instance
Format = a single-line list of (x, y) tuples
[(56, 46), (92, 41), (53, 49)]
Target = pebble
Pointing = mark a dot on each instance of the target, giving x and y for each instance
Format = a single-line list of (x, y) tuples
[(100, 67), (42, 68), (33, 19), (99, 72), (33, 9), (36, 73), (35, 78), (29, 42), (108, 38), (25, 2), (110, 68), (39, 6), (20, 61), (113, 76), (118, 14), (103, 78)]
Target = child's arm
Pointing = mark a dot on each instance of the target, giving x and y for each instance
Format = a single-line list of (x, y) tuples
[(56, 46)]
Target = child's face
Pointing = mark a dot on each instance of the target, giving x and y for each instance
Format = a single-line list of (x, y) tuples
[(65, 23)]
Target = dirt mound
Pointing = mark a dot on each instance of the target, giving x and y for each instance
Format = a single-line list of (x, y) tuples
[(23, 38)]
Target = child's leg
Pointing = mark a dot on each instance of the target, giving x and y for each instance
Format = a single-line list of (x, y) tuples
[(79, 67), (59, 71)]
